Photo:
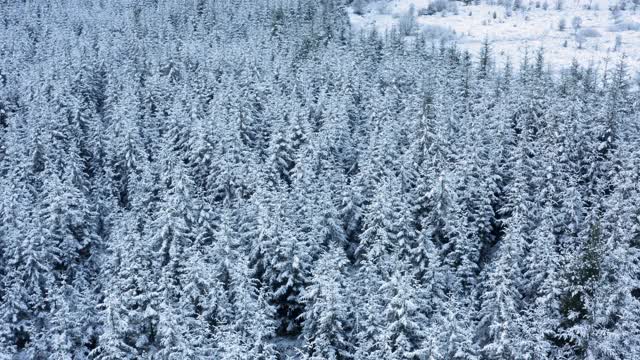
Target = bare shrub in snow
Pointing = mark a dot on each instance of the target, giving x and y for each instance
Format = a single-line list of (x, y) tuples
[(407, 22), (618, 43), (589, 33), (616, 14), (562, 24), (517, 4), (580, 40), (453, 7), (437, 32), (576, 23), (437, 6), (625, 26), (383, 8), (359, 7)]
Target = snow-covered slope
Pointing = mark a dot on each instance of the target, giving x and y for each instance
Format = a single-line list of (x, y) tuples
[(511, 28)]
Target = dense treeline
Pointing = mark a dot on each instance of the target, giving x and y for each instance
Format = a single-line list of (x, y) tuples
[(231, 179)]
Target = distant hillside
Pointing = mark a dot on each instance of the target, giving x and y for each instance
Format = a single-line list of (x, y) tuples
[(592, 32)]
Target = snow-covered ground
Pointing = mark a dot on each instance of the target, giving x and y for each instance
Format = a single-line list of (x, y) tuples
[(533, 25)]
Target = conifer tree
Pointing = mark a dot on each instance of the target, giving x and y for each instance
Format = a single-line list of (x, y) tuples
[(326, 314)]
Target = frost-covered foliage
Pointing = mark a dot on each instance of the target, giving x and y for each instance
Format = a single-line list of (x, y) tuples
[(186, 179)]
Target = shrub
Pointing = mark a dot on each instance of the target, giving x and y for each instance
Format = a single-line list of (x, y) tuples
[(437, 32), (580, 40), (625, 26), (576, 23), (562, 25), (407, 23), (358, 7), (589, 33), (383, 8), (424, 12), (437, 6), (618, 43)]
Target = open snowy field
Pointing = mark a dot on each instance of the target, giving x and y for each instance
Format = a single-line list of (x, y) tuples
[(593, 31)]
